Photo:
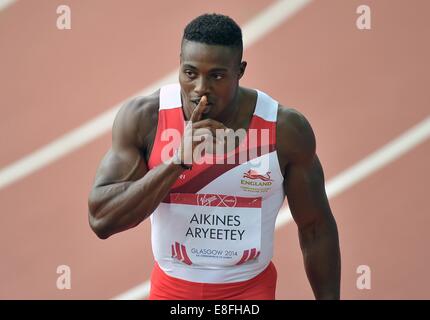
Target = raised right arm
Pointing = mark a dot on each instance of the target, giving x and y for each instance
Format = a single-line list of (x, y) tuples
[(124, 192)]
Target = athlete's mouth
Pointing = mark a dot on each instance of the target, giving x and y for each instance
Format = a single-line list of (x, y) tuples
[(207, 109)]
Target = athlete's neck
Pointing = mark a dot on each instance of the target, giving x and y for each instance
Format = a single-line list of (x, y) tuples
[(228, 116)]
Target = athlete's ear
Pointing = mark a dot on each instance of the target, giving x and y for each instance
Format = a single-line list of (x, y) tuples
[(242, 68)]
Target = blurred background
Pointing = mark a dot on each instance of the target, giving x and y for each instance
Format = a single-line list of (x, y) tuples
[(359, 74)]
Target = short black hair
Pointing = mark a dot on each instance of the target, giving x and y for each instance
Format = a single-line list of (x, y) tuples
[(214, 29)]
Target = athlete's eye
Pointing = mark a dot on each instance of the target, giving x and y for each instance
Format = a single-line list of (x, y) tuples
[(218, 76), (189, 73)]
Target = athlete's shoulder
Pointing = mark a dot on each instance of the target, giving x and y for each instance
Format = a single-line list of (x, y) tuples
[(295, 135), (140, 108), (136, 118)]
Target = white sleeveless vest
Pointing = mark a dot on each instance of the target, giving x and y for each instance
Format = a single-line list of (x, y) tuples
[(217, 223)]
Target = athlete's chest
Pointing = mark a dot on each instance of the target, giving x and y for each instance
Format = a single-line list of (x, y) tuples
[(257, 177)]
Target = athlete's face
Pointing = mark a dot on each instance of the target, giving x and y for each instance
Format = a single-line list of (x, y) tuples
[(210, 70)]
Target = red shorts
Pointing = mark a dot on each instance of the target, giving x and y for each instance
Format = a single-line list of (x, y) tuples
[(165, 287)]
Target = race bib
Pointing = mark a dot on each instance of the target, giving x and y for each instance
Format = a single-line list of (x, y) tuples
[(211, 229)]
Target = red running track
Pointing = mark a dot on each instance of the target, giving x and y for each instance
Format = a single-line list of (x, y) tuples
[(359, 89)]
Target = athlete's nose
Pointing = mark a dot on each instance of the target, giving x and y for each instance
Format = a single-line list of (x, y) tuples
[(202, 87)]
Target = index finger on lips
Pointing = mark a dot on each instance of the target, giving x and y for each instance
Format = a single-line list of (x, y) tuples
[(197, 112)]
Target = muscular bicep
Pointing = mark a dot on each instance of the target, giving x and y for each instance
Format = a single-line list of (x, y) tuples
[(124, 161), (303, 174), (305, 191), (120, 166)]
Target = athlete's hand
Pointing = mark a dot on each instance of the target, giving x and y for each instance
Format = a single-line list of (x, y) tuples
[(198, 111), (201, 134)]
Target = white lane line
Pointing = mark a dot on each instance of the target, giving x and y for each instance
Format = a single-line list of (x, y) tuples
[(370, 164), (69, 142), (270, 18), (6, 3), (141, 291), (380, 158), (343, 181), (254, 30)]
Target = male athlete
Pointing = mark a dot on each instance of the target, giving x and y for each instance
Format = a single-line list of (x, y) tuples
[(213, 211)]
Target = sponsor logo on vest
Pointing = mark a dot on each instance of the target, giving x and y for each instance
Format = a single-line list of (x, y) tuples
[(216, 200), (249, 255), (179, 252), (255, 182), (253, 175)]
